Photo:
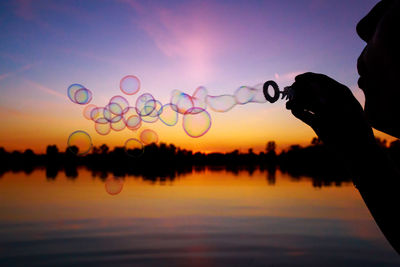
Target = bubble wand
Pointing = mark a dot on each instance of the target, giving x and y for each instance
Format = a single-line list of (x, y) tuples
[(287, 92)]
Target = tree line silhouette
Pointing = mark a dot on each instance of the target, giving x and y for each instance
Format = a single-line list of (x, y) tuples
[(166, 162)]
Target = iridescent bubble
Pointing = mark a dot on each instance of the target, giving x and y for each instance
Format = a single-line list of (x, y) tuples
[(149, 119), (221, 103), (88, 110), (102, 128), (72, 90), (141, 108), (118, 105), (199, 97), (181, 101), (148, 136), (114, 185), (132, 119), (133, 122), (152, 108), (168, 114), (130, 85), (156, 105), (196, 122), (79, 143), (83, 96), (110, 116), (259, 94), (97, 115), (118, 125), (244, 94), (134, 148)]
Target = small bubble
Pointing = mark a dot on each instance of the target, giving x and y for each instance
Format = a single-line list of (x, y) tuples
[(134, 148), (130, 85), (79, 143)]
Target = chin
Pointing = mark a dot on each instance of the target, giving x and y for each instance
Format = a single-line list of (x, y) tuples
[(382, 122)]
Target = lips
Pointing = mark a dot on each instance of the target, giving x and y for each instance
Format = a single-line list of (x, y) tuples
[(361, 82)]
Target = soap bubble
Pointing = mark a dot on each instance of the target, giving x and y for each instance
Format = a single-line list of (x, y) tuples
[(83, 96), (88, 110), (80, 140), (196, 122), (72, 90), (132, 119), (259, 94), (97, 115), (149, 119), (244, 94), (118, 105), (221, 103), (130, 85), (199, 97), (134, 148), (118, 125), (148, 136), (114, 185), (102, 128), (141, 108), (168, 114), (181, 101), (110, 116), (156, 107), (133, 122)]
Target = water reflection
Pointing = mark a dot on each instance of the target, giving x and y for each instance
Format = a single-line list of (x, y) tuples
[(198, 217), (170, 174)]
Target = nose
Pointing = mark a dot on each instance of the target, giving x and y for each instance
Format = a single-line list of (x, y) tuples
[(360, 63)]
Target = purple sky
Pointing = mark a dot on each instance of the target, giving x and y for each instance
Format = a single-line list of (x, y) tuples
[(47, 45)]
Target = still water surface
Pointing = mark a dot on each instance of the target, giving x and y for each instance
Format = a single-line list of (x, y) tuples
[(205, 218)]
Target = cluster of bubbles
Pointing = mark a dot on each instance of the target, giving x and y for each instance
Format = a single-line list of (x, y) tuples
[(119, 114)]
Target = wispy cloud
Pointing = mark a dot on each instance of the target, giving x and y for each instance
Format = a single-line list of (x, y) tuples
[(45, 89), (12, 73), (182, 34)]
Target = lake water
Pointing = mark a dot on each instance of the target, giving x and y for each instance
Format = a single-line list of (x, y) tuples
[(204, 218)]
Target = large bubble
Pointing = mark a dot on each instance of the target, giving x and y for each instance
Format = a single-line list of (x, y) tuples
[(134, 148), (221, 103), (79, 143), (114, 185), (83, 96), (196, 122), (130, 85), (169, 115), (148, 136)]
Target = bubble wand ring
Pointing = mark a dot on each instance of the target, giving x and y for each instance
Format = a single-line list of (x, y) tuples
[(287, 92)]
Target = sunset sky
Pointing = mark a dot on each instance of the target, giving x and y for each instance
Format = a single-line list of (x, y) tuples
[(47, 45)]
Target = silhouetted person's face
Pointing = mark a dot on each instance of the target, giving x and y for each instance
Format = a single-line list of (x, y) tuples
[(379, 66)]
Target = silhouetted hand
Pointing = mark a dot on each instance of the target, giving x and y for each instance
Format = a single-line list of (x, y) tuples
[(331, 110)]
